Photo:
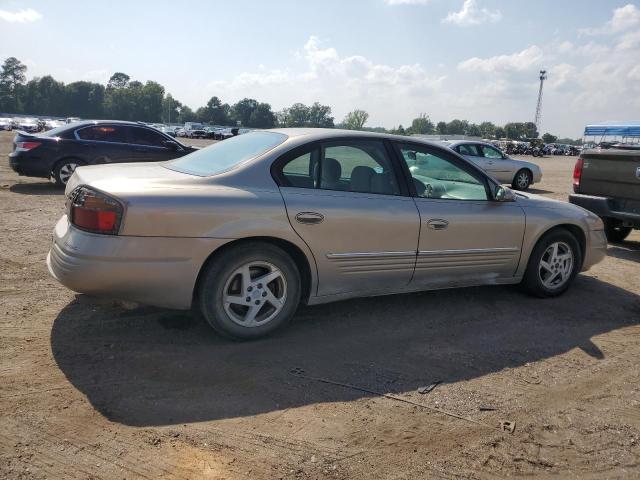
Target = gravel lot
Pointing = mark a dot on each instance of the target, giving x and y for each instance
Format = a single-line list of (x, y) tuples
[(91, 389)]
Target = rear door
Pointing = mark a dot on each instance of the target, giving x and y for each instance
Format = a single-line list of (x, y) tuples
[(346, 200), (103, 144)]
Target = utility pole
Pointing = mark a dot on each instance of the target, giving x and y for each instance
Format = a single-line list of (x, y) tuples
[(543, 77)]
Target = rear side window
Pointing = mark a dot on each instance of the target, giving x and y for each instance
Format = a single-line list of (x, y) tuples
[(226, 154), (103, 133), (299, 171), (145, 136), (361, 166)]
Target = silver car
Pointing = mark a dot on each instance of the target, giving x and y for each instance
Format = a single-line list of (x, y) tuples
[(517, 173), (248, 228)]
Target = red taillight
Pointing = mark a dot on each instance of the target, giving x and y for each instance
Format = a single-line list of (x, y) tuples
[(26, 146), (94, 211), (577, 174)]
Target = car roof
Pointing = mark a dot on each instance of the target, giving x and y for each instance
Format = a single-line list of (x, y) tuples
[(86, 123), (454, 143), (337, 133)]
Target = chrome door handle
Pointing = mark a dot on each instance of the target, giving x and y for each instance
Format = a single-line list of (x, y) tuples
[(437, 224), (309, 218)]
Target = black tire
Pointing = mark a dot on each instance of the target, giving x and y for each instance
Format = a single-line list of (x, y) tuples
[(220, 271), (518, 180), (61, 169), (615, 231), (532, 281)]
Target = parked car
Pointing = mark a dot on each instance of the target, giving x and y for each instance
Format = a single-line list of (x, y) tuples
[(606, 181), (248, 228), (197, 133), (518, 173), (29, 125), (5, 124), (171, 131), (57, 152)]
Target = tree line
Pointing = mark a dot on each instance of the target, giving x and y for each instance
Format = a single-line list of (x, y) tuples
[(125, 99)]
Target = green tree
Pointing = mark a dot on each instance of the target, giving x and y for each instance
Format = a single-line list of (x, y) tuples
[(43, 96), (355, 120), (530, 130), (422, 125), (118, 80), (84, 99), (487, 130), (320, 116), (474, 130), (548, 138), (262, 117), (297, 115), (12, 78), (241, 111), (441, 128), (215, 112), (500, 133), (457, 127)]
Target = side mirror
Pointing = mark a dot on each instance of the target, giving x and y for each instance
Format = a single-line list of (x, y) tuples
[(171, 145), (503, 194)]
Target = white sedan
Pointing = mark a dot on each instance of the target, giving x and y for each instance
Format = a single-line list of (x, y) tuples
[(518, 173)]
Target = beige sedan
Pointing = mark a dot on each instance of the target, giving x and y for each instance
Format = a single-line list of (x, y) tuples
[(248, 228)]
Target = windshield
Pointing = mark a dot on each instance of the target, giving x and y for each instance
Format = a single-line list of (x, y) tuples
[(226, 154)]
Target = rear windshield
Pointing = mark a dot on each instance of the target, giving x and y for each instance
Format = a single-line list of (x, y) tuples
[(55, 132), (226, 154)]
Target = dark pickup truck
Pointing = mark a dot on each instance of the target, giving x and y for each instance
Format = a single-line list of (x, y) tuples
[(606, 181)]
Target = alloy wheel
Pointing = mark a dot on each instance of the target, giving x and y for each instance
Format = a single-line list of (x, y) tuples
[(254, 294), (522, 180), (66, 171), (556, 265)]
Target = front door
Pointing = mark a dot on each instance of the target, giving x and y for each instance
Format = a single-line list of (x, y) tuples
[(465, 237), (498, 164), (344, 199), (148, 145)]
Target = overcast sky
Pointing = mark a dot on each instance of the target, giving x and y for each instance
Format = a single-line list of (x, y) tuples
[(471, 59)]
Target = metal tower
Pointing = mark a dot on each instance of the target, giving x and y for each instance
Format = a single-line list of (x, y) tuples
[(543, 77)]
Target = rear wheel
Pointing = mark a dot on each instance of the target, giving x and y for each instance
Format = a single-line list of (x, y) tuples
[(64, 169), (553, 264), (615, 231), (522, 180), (250, 291)]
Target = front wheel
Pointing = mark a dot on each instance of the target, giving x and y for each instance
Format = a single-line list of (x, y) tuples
[(522, 180), (615, 231), (553, 264), (250, 291)]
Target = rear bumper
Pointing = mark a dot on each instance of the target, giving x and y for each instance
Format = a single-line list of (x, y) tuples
[(150, 270), (605, 207), (31, 166)]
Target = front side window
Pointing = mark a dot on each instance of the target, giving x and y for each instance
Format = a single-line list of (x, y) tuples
[(103, 133), (469, 149), (490, 152), (145, 136), (436, 176), (225, 155)]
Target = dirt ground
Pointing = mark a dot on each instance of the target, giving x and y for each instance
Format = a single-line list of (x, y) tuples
[(91, 389)]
